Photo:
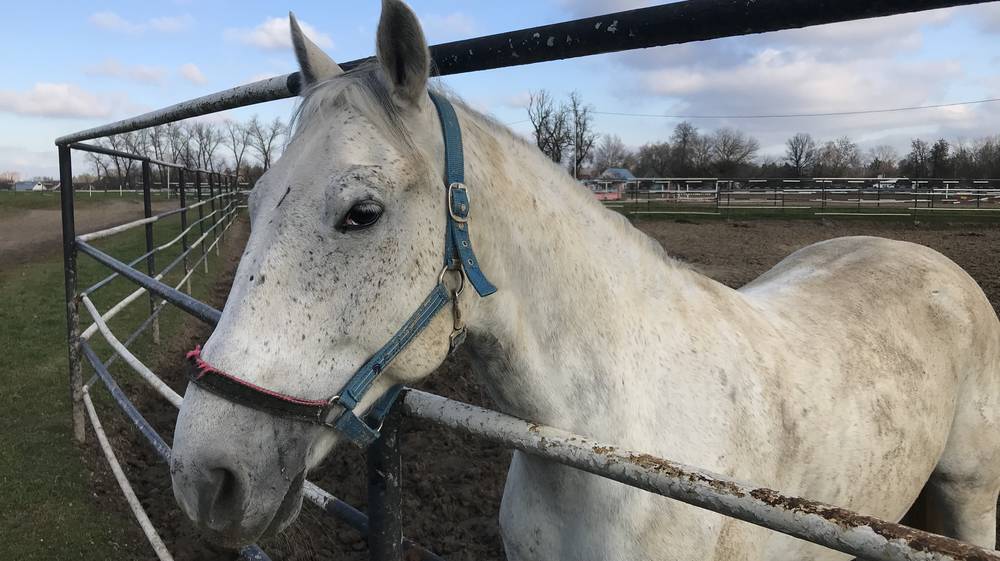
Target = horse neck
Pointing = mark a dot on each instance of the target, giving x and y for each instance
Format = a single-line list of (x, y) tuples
[(581, 291)]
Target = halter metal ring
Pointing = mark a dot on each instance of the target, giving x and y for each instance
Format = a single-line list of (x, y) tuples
[(461, 275)]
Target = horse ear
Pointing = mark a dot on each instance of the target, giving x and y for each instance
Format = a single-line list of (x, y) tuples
[(402, 52), (314, 64)]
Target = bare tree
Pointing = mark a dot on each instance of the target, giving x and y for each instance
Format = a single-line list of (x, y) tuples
[(8, 179), (264, 139), (800, 153), (207, 139), (123, 166), (702, 153), (733, 149), (237, 139), (684, 142), (838, 157), (610, 153), (584, 135), (653, 160), (917, 161), (882, 161), (551, 124)]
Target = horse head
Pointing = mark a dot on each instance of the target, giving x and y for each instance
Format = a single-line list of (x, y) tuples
[(347, 233)]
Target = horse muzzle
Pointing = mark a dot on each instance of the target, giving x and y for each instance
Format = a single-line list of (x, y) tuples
[(233, 475)]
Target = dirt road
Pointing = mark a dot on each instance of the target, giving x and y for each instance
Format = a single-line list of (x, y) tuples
[(37, 233)]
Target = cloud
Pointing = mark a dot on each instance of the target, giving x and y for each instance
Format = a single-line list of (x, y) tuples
[(193, 74), (113, 68), (29, 163), (986, 17), (870, 64), (519, 100), (456, 25), (274, 34), (113, 22), (58, 100), (172, 24)]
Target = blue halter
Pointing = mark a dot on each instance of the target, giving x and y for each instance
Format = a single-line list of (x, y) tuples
[(458, 256)]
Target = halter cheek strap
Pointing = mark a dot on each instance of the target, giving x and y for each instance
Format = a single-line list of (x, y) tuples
[(337, 412)]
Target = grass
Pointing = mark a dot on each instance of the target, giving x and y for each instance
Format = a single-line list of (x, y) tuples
[(11, 202), (47, 510)]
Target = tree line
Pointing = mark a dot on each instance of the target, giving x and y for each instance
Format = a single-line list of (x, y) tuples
[(244, 149), (565, 132)]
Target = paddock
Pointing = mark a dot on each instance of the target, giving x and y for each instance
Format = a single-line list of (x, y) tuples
[(852, 533)]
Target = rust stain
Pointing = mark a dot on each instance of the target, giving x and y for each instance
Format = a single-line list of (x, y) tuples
[(660, 465), (916, 539)]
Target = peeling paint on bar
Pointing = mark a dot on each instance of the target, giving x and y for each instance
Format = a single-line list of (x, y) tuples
[(829, 526)]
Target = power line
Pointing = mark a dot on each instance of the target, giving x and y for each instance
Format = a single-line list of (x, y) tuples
[(792, 115)]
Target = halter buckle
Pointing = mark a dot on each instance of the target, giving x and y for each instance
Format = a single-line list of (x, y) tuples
[(458, 210)]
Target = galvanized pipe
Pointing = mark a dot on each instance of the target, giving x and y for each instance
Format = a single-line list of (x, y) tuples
[(194, 307), (669, 24), (133, 501), (147, 211), (72, 303), (836, 528)]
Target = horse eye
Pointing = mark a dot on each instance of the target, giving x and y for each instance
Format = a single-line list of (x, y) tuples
[(362, 215)]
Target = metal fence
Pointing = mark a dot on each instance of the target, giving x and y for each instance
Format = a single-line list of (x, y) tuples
[(669, 24), (899, 197)]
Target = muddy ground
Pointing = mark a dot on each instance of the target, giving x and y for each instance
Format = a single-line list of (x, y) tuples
[(453, 483), (34, 234)]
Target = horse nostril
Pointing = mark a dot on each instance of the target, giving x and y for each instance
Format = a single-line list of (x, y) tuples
[(226, 496)]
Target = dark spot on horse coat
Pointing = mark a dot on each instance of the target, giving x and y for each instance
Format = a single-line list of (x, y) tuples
[(287, 191)]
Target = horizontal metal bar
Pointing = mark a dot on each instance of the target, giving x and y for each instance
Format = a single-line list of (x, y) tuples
[(278, 87), (836, 528), (121, 154), (140, 368), (103, 282), (99, 234), (196, 308), (125, 404), (669, 24)]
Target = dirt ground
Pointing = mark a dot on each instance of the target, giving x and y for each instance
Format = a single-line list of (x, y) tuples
[(453, 483), (35, 233)]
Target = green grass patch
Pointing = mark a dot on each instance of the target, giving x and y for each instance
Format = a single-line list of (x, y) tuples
[(12, 202), (46, 507)]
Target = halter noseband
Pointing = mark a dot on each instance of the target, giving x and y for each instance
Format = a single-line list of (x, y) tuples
[(458, 257)]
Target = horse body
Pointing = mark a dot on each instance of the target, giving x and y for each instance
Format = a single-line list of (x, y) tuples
[(834, 376), (857, 372)]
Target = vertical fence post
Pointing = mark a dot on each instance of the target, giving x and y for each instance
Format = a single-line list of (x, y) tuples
[(385, 518), (182, 195), (224, 203), (201, 216), (215, 217), (72, 309), (147, 210)]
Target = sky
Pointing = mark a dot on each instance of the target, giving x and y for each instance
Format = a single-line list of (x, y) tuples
[(71, 65)]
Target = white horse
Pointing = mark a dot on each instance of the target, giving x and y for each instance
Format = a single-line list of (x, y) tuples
[(859, 371)]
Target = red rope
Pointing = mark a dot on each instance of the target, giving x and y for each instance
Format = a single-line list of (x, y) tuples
[(204, 369)]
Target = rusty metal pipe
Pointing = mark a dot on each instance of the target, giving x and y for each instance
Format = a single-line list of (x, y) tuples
[(836, 528)]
